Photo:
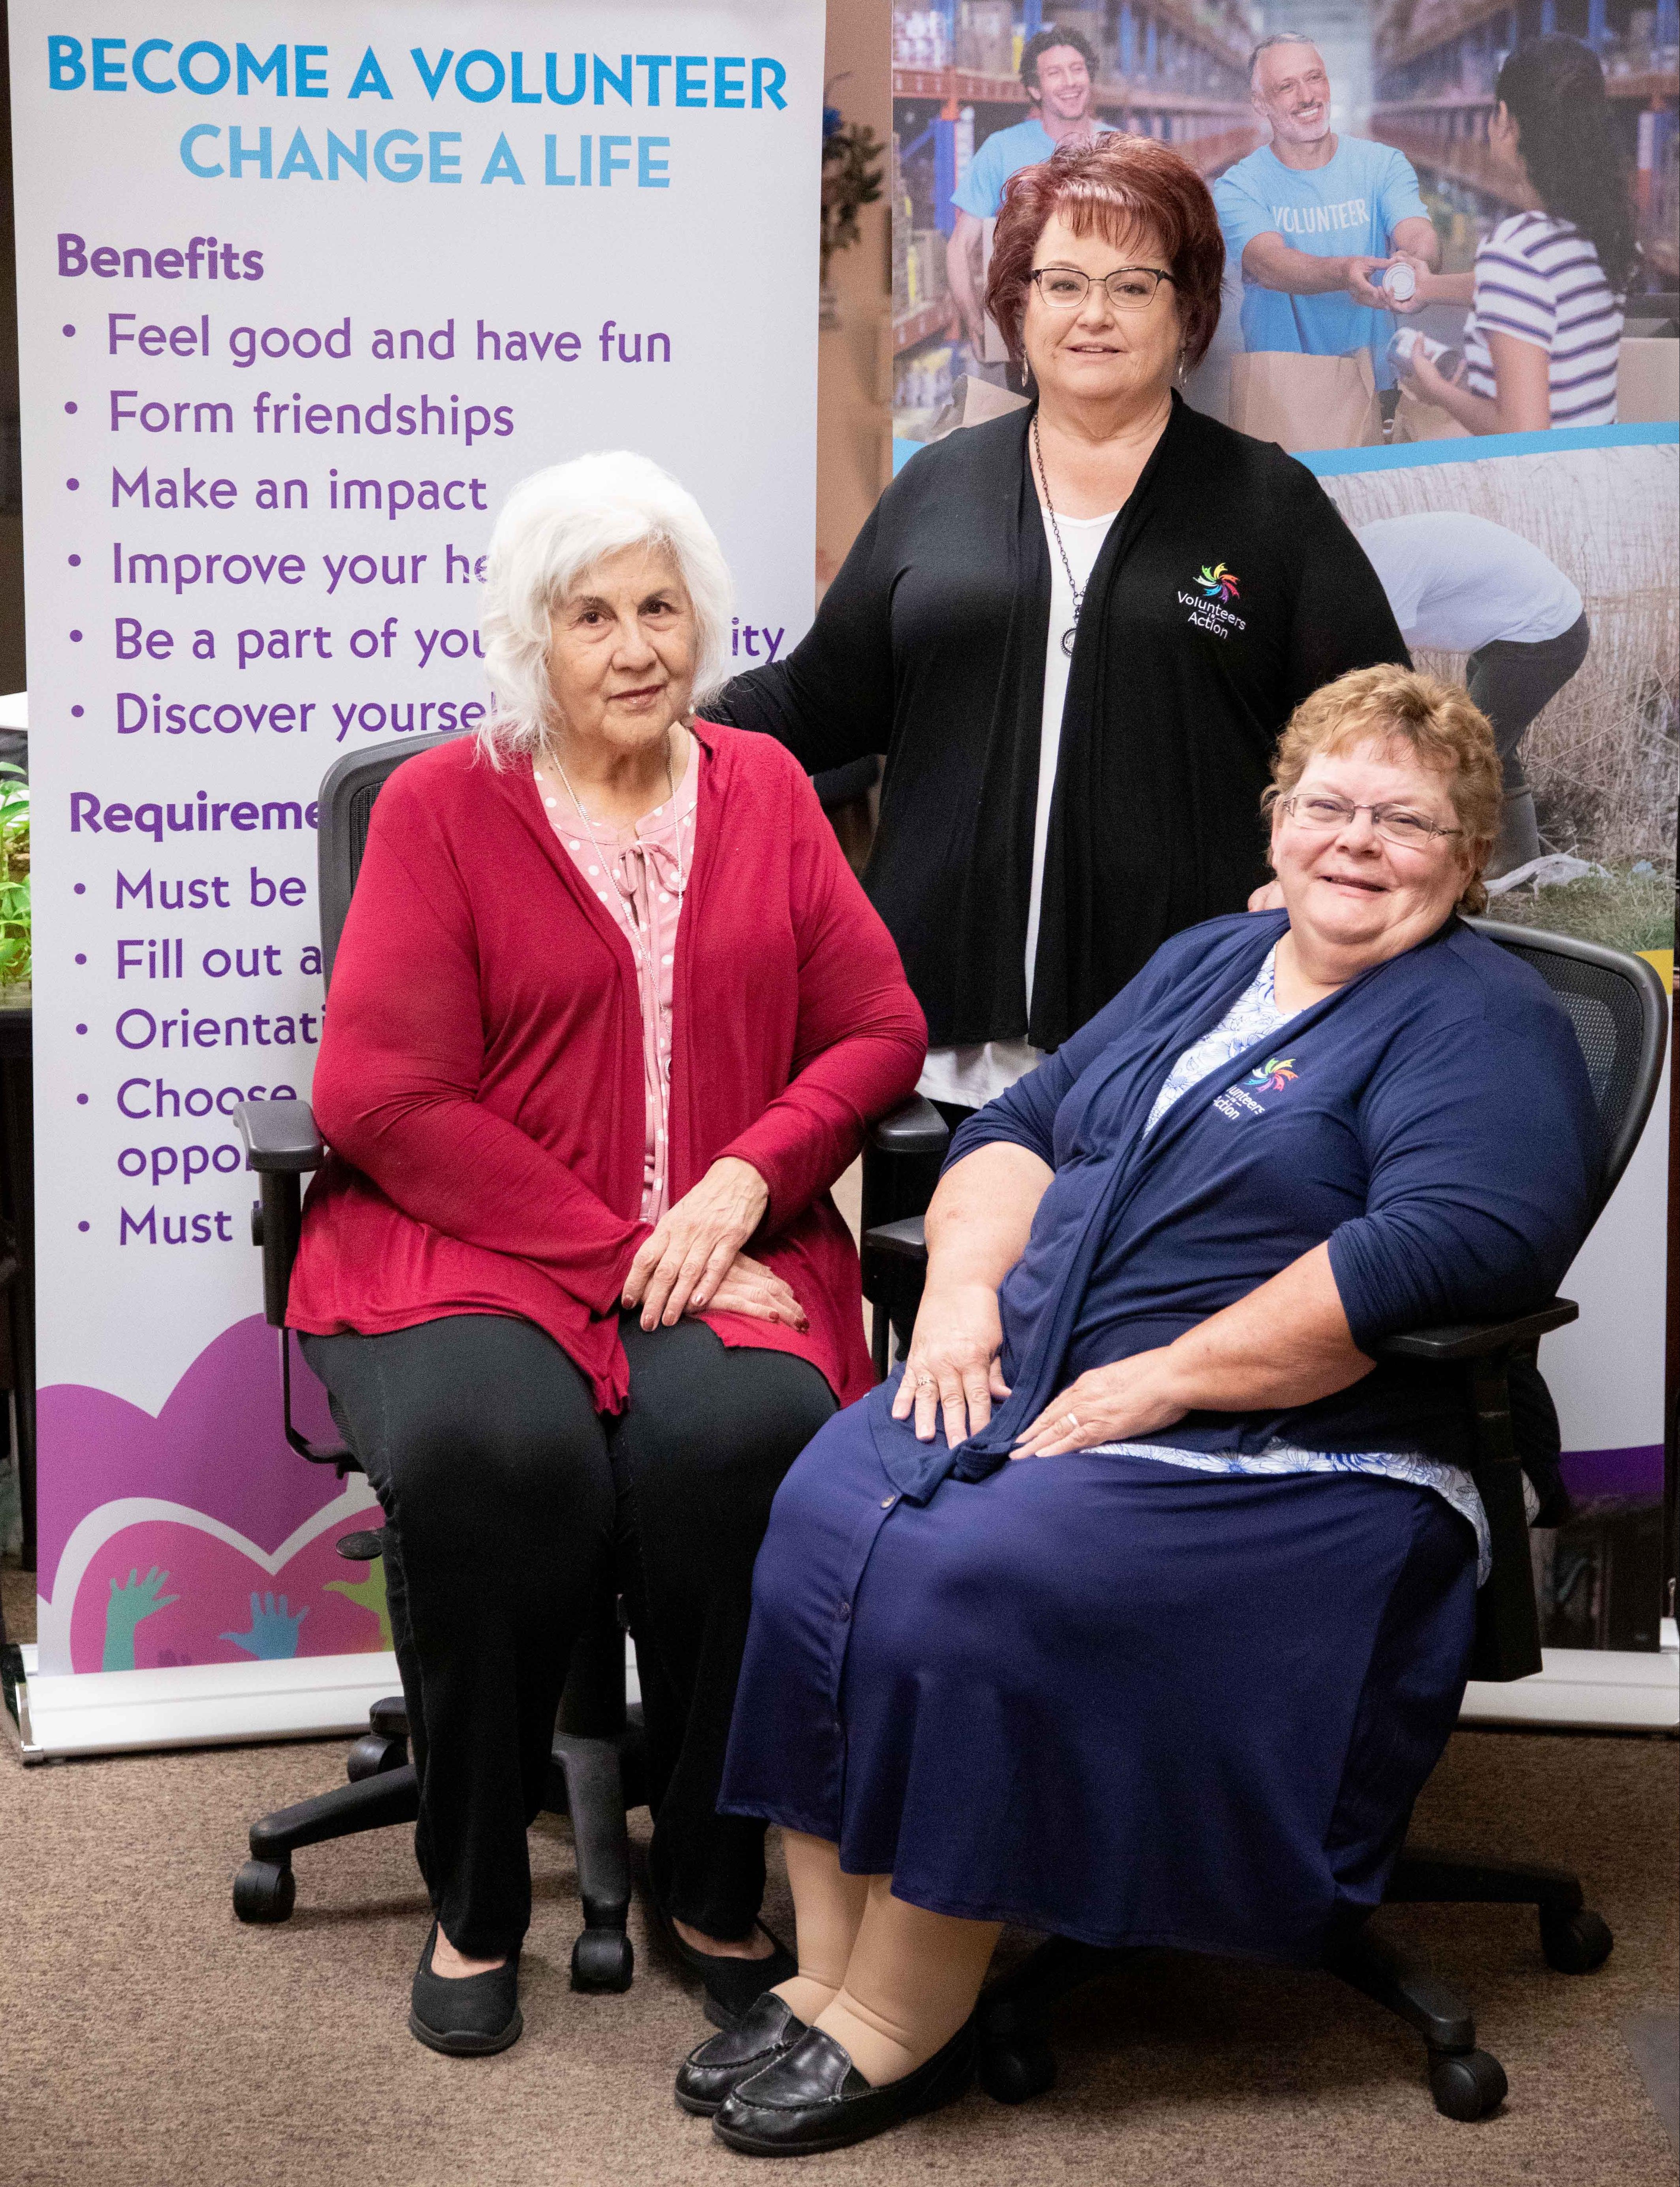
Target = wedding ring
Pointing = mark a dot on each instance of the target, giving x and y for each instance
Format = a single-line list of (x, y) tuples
[(1072, 1419), (926, 1382)]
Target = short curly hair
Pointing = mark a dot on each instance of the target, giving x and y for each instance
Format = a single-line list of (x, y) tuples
[(1113, 187), (1046, 42), (1437, 721)]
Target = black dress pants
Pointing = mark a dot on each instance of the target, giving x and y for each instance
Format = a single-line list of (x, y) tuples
[(508, 1500), (1511, 682)]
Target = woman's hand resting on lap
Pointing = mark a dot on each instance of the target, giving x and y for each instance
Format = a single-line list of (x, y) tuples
[(1135, 1396), (693, 1246), (952, 1363), (747, 1286)]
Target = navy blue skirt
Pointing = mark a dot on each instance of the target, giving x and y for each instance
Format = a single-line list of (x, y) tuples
[(1106, 1698)]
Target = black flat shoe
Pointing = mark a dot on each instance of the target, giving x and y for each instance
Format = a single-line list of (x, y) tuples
[(731, 1985), (470, 2018), (765, 2030), (814, 2098)]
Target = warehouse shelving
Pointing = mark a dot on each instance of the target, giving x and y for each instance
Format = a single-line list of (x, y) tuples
[(1171, 71), (1436, 70)]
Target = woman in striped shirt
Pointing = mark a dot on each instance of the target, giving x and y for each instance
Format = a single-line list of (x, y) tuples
[(1545, 326)]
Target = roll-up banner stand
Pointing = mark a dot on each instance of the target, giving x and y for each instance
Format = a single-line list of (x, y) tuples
[(302, 291), (1603, 758)]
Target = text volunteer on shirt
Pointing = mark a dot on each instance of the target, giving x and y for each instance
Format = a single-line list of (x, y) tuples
[(1350, 207)]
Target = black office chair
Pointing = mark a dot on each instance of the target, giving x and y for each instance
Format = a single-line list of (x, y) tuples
[(596, 1770), (1619, 1010)]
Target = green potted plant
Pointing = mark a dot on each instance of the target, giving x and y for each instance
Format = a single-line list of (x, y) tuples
[(851, 180), (16, 932)]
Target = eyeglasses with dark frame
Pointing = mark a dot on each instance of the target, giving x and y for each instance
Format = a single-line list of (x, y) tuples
[(1064, 288), (1323, 815)]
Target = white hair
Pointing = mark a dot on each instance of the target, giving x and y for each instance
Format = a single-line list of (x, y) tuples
[(553, 527)]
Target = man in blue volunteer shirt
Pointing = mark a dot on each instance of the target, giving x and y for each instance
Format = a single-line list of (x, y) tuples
[(1312, 219), (1059, 73)]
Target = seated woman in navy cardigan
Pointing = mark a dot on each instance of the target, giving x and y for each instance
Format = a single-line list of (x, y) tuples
[(1176, 1677)]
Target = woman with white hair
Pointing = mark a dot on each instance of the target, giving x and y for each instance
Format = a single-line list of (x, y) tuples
[(609, 1016)]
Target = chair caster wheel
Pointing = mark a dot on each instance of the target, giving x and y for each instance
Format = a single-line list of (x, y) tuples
[(1575, 1944), (371, 1757), (1468, 2086), (603, 1959), (1013, 2070), (264, 1892)]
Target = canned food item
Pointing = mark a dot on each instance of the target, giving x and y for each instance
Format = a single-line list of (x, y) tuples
[(1402, 343), (1407, 344), (1400, 283)]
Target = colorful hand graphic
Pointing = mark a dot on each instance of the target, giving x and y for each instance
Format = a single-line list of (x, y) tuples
[(273, 1632), (130, 1604), (370, 1592)]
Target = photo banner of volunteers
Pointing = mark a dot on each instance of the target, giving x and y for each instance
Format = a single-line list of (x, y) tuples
[(1450, 247), (302, 295)]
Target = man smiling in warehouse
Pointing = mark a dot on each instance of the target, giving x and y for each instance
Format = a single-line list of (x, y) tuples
[(1313, 218)]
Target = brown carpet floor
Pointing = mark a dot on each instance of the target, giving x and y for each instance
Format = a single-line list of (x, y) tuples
[(147, 2039)]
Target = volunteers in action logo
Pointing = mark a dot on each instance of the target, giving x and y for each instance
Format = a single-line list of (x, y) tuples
[(1274, 1075), (1219, 583), (1208, 597)]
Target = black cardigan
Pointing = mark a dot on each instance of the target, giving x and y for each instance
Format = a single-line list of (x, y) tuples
[(930, 644)]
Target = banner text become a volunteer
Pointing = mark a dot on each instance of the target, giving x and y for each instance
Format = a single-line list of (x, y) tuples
[(715, 83)]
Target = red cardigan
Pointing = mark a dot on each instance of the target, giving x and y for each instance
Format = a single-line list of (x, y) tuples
[(480, 1074)]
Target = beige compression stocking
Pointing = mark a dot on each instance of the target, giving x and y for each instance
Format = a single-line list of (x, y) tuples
[(827, 1908), (910, 1983)]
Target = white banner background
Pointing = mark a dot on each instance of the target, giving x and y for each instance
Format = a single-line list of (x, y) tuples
[(655, 254)]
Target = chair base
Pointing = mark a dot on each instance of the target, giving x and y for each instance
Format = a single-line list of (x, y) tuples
[(1016, 2061), (593, 1779)]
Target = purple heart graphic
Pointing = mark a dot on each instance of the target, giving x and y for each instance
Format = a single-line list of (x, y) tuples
[(215, 1450)]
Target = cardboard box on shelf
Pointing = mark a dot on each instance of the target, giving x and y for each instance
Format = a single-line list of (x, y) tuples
[(926, 266), (986, 35)]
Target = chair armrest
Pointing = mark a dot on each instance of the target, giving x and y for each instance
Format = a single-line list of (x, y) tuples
[(1474, 1339), (899, 1241), (914, 1128), (279, 1135)]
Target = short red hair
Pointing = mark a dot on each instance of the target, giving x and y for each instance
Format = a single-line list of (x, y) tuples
[(1113, 187)]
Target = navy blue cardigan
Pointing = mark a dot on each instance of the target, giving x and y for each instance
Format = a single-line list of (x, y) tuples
[(1432, 1120)]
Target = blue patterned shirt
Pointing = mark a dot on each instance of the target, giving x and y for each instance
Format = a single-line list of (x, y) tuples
[(1254, 1017)]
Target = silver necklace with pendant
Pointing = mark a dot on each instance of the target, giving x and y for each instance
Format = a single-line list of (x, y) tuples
[(1076, 590)]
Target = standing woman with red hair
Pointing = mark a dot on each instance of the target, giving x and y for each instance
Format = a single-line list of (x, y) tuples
[(1074, 632)]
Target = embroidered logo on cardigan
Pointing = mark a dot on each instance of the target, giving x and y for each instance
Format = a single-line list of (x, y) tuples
[(1215, 585), (1219, 583), (1272, 1077), (1274, 1074)]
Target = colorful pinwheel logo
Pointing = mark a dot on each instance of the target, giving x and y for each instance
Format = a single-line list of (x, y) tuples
[(1274, 1075), (1219, 583)]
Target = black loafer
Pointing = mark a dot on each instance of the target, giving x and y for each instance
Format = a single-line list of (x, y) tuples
[(814, 2098), (470, 2018), (765, 2030), (732, 1985)]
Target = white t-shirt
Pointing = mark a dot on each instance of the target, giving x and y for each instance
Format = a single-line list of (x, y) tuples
[(1458, 582), (1538, 279), (969, 1077)]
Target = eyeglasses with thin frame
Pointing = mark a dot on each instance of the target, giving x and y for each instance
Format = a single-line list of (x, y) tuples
[(1323, 815), (1130, 288)]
